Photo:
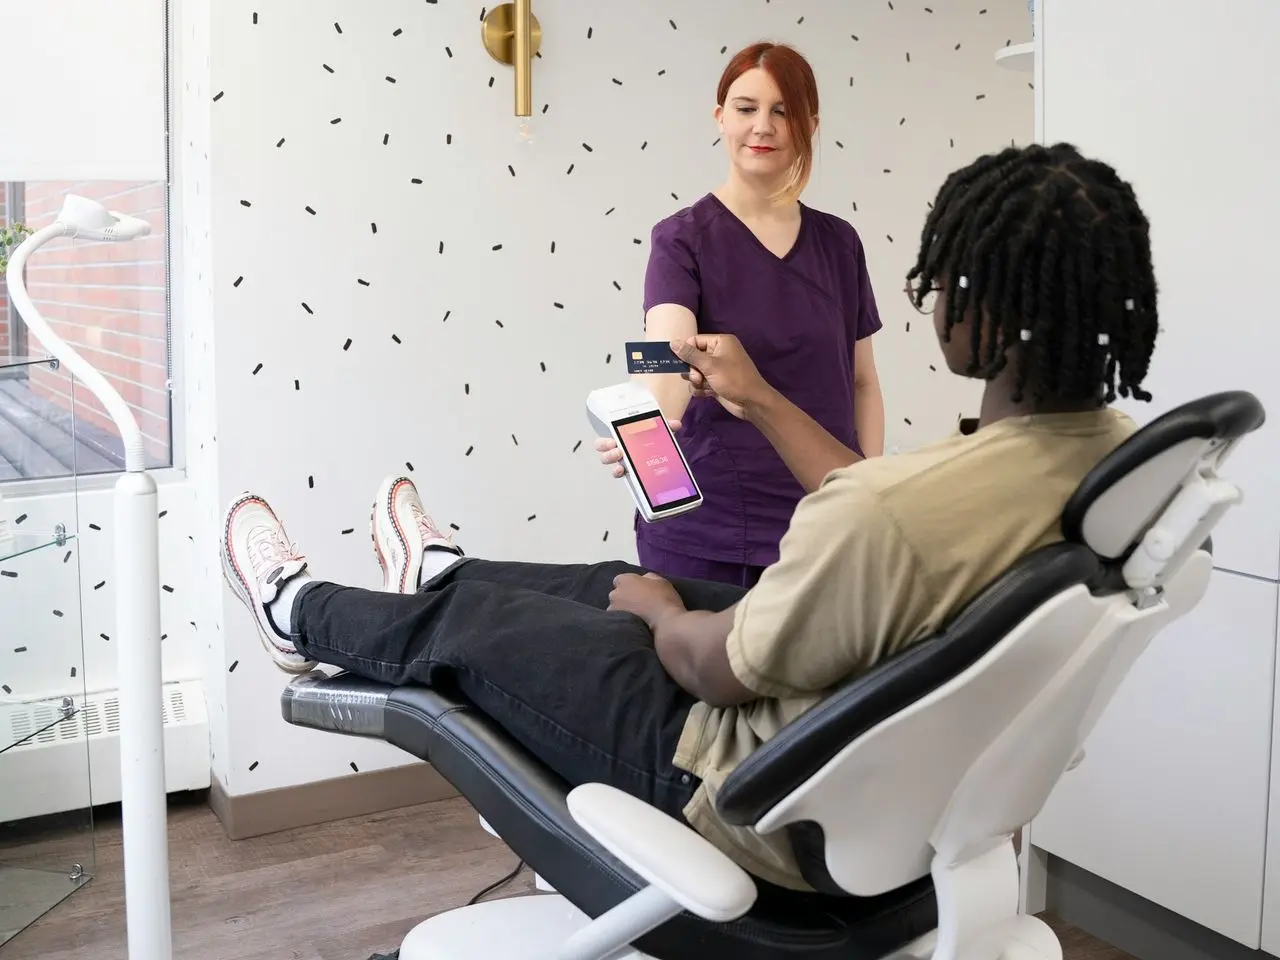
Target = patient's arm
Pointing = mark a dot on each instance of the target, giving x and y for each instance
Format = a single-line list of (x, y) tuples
[(809, 452), (691, 646), (720, 368)]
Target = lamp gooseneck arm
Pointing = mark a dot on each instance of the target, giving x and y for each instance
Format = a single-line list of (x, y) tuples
[(117, 409)]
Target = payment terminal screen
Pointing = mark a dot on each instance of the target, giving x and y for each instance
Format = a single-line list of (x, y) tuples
[(656, 462)]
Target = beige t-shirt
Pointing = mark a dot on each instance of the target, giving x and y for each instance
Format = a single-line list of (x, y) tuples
[(880, 556)]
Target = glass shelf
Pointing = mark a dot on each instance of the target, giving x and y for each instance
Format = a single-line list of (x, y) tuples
[(7, 363), (20, 544), (47, 719), (31, 723), (41, 624), (28, 893)]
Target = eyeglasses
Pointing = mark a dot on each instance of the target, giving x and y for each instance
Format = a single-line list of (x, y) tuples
[(923, 304)]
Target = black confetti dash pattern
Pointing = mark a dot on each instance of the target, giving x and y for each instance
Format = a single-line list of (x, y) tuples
[(66, 591), (382, 361)]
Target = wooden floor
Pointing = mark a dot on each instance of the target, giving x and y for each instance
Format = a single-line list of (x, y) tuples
[(340, 891)]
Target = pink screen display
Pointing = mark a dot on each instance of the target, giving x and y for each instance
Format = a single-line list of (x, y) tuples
[(656, 461)]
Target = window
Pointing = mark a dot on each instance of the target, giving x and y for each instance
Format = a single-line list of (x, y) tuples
[(111, 302), (97, 124)]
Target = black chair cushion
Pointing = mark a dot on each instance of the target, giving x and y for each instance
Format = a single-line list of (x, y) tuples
[(1227, 416), (525, 803)]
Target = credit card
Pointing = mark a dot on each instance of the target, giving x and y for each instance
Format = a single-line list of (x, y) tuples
[(653, 356)]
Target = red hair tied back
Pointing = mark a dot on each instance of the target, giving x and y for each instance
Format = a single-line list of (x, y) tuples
[(794, 77)]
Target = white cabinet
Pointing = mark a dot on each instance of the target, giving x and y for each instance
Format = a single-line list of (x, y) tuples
[(1182, 99), (1171, 800), (1271, 885)]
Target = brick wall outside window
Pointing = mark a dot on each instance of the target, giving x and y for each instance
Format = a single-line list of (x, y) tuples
[(107, 300)]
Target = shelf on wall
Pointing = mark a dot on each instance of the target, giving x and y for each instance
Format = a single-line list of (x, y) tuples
[(1017, 56), (20, 544)]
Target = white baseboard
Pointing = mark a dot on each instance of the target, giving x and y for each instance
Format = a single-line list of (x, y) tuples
[(69, 763)]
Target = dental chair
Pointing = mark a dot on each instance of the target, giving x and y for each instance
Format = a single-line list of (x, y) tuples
[(900, 793)]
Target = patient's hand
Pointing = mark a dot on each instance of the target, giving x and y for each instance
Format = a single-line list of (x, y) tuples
[(720, 368), (649, 597)]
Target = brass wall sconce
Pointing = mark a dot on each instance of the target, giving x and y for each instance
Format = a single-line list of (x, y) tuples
[(512, 35)]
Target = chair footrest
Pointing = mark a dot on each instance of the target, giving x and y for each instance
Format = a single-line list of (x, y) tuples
[(341, 704)]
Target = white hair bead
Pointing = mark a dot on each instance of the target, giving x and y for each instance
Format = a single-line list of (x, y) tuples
[(964, 283), (1128, 304), (1025, 334), (1104, 339)]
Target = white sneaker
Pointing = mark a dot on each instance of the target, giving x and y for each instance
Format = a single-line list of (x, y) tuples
[(257, 559), (402, 531)]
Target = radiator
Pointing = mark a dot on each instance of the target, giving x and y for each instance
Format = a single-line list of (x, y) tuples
[(67, 758)]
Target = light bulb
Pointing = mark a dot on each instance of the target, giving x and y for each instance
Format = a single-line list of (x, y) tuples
[(523, 131)]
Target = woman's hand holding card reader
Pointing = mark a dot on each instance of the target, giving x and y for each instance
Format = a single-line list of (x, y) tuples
[(656, 471)]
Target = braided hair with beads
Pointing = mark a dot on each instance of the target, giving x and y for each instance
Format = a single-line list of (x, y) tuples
[(1055, 251)]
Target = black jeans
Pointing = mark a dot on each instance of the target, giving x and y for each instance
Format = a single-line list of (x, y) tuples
[(533, 647)]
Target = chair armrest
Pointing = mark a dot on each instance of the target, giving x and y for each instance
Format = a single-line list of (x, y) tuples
[(664, 852)]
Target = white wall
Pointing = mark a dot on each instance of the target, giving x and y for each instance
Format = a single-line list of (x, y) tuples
[(314, 426), (1171, 801), (194, 297), (1186, 109)]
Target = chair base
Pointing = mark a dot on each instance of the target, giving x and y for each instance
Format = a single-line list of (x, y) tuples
[(538, 882), (518, 928), (1032, 939), (534, 927)]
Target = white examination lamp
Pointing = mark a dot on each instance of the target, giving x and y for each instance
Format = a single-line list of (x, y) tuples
[(142, 781)]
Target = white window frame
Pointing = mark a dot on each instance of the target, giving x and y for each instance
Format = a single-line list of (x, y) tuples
[(176, 472)]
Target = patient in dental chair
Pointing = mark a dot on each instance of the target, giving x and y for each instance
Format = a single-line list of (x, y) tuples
[(1035, 265)]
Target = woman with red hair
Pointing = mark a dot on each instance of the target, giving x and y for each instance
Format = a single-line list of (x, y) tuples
[(791, 283)]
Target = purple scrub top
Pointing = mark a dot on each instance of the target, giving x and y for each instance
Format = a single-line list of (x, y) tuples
[(798, 317)]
